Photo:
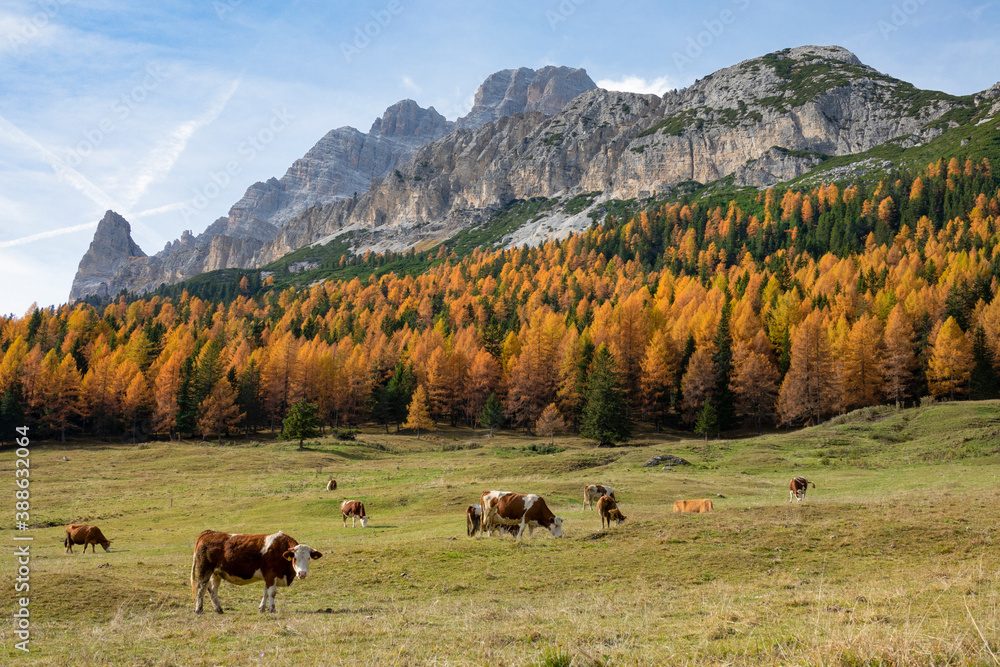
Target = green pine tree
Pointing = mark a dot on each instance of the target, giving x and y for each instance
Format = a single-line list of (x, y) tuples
[(301, 422), (11, 412), (492, 415), (605, 415), (722, 396), (983, 381), (707, 421), (187, 406)]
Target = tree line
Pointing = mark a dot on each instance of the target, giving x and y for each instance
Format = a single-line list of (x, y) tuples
[(770, 307)]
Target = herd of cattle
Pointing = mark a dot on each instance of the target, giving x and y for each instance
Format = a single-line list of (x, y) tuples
[(278, 559)]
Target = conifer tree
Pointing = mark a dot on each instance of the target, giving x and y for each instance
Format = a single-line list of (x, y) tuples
[(301, 422), (218, 411), (722, 357), (605, 415), (492, 415), (983, 379), (951, 361), (419, 412), (708, 421), (11, 411), (549, 422)]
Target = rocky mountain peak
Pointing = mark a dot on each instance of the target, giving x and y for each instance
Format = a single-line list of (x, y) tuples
[(826, 52), (111, 249), (406, 118), (520, 90)]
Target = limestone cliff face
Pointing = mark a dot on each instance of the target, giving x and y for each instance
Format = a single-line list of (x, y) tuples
[(512, 91), (110, 253), (339, 167), (764, 120), (549, 133)]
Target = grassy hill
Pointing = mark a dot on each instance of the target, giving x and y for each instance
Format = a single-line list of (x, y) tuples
[(891, 560)]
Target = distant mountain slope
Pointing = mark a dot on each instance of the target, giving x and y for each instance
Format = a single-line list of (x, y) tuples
[(341, 165), (760, 122), (763, 121)]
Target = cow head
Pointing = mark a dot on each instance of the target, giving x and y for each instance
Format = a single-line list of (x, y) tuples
[(106, 544), (364, 522), (556, 527), (300, 556), (618, 516)]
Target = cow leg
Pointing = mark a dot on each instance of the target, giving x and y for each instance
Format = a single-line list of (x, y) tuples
[(267, 602), (520, 531), (213, 590)]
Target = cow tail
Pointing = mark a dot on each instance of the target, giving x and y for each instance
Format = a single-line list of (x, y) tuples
[(814, 484), (194, 567)]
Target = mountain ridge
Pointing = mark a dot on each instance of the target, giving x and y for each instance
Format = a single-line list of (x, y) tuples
[(762, 121), (339, 166)]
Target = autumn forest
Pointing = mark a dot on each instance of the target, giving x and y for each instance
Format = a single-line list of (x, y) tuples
[(744, 311)]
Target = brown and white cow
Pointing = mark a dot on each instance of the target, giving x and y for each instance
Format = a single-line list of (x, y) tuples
[(331, 485), (354, 509), (473, 520), (693, 505), (523, 510), (488, 508), (275, 559), (797, 488), (81, 533), (608, 509), (594, 492)]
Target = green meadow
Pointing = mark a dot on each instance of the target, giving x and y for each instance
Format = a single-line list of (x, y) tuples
[(893, 559)]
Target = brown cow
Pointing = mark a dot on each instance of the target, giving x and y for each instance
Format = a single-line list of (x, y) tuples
[(354, 509), (331, 485), (80, 533), (693, 506), (473, 520), (593, 492), (523, 510), (608, 509), (797, 488), (488, 507), (277, 559)]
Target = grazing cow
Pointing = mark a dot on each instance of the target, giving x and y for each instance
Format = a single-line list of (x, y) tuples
[(693, 506), (593, 492), (277, 559), (608, 509), (797, 488), (522, 510), (354, 509), (80, 533), (473, 520), (331, 485), (489, 509)]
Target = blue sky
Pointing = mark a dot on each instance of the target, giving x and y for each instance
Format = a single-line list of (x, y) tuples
[(108, 104)]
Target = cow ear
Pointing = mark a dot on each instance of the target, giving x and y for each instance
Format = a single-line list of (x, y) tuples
[(315, 554), (289, 555)]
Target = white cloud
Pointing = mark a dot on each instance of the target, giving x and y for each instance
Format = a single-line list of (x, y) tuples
[(410, 85), (637, 84)]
